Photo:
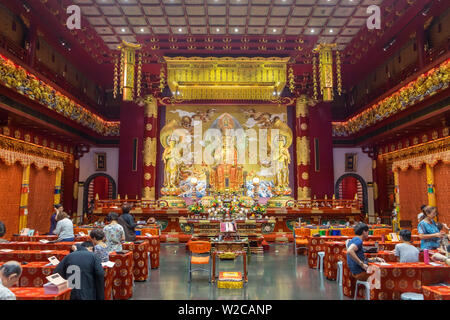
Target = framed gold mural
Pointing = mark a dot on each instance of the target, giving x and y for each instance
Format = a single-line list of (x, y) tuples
[(237, 159)]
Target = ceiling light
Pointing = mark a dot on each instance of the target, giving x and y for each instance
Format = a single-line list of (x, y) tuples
[(274, 30), (236, 29), (180, 29), (217, 29), (142, 29), (312, 30), (123, 30), (331, 30)]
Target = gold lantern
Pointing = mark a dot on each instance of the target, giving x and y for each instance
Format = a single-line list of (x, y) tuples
[(325, 70), (128, 75)]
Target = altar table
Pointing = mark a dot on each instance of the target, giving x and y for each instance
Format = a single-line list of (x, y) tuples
[(236, 247), (436, 292), (32, 293)]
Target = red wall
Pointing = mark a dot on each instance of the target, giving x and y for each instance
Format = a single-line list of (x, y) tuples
[(10, 185), (322, 182), (442, 185), (131, 126)]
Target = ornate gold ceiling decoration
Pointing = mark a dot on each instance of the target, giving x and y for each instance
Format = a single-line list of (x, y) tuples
[(226, 78)]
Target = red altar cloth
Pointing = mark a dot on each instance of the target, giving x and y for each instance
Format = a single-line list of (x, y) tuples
[(123, 275), (436, 292), (154, 249), (32, 255), (32, 293)]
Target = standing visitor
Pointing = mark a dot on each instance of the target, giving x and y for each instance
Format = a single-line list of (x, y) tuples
[(114, 233)]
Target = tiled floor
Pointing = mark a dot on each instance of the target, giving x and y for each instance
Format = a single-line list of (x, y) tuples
[(277, 274)]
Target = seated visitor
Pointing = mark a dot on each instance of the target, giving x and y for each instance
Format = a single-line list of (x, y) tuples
[(126, 220), (58, 208), (405, 251), (2, 233), (100, 247), (91, 285), (356, 260), (10, 273), (444, 245), (429, 233), (64, 228), (114, 233)]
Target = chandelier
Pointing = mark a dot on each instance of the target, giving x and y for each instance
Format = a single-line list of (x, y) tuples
[(324, 54), (130, 81)]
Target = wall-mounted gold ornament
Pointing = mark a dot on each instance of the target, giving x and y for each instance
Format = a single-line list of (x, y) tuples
[(147, 176), (305, 176)]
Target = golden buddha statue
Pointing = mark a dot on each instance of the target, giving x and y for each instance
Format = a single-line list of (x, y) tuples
[(227, 175), (171, 158)]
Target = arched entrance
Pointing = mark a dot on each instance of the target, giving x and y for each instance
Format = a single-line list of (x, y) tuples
[(350, 184), (101, 184)]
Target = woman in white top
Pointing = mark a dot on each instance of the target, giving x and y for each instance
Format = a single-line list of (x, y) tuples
[(64, 228)]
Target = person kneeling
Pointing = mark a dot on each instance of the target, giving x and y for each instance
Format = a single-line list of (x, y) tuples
[(356, 260)]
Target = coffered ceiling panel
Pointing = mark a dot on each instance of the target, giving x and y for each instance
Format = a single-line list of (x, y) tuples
[(293, 27)]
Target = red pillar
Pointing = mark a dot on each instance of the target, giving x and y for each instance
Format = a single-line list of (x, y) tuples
[(303, 158), (150, 148)]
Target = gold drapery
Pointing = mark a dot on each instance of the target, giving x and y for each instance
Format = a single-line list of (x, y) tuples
[(11, 157), (417, 162)]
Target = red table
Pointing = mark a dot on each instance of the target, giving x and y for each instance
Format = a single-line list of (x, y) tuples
[(32, 255), (123, 275), (35, 273), (32, 293), (436, 292), (398, 278)]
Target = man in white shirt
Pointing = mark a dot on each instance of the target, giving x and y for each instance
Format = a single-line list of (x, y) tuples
[(10, 274)]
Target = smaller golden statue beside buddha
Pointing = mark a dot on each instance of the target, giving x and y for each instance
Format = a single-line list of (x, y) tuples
[(172, 160), (281, 159)]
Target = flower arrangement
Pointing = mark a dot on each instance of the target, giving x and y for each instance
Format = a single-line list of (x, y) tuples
[(196, 208), (259, 209)]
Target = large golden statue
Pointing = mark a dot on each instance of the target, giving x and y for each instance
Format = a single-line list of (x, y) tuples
[(281, 159), (227, 175), (170, 137)]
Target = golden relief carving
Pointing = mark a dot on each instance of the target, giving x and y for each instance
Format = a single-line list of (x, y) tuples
[(151, 106), (27, 84), (431, 147), (303, 193), (305, 176), (148, 127), (226, 78), (150, 151), (148, 193), (426, 85), (147, 176), (303, 156)]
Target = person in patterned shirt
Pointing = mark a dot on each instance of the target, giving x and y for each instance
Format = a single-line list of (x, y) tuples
[(10, 273)]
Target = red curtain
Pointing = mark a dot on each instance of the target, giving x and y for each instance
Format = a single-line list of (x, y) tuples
[(349, 188), (442, 184), (40, 199), (10, 185), (101, 187), (413, 193)]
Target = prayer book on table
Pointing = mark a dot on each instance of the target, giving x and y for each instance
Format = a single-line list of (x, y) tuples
[(53, 261), (55, 285), (227, 227), (108, 264)]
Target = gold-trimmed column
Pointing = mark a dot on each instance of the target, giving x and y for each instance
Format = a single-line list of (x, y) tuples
[(57, 196), (302, 147), (24, 190), (397, 193), (149, 152), (430, 186)]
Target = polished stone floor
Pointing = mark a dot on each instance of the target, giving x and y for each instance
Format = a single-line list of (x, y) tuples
[(276, 275)]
